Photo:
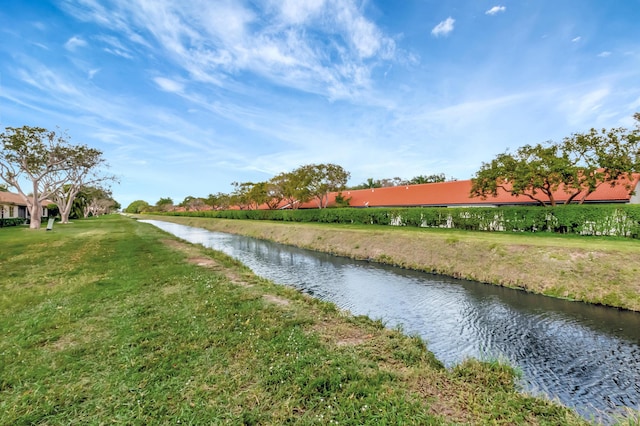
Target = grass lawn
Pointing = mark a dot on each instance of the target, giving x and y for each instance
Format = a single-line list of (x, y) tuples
[(110, 321)]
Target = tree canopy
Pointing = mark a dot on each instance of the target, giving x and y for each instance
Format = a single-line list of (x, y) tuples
[(396, 181), (48, 162), (137, 206), (321, 179), (578, 165)]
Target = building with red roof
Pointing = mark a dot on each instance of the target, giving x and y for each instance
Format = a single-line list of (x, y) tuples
[(13, 205), (457, 194)]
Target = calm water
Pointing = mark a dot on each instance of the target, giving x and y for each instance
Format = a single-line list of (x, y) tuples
[(586, 356)]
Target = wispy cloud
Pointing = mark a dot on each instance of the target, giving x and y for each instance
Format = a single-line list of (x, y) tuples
[(577, 39), (211, 41), (114, 46), (495, 10), (169, 85), (443, 28), (604, 54), (74, 42), (583, 107)]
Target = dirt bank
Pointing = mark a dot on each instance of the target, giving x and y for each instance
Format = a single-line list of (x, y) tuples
[(588, 270)]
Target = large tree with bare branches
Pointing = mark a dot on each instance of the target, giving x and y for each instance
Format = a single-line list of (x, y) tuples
[(46, 162)]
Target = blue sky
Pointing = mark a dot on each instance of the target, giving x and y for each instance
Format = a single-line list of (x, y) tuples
[(186, 96)]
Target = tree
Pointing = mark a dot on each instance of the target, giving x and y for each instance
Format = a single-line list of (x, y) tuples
[(164, 204), (257, 194), (381, 183), (191, 203), (321, 179), (434, 178), (578, 165), (40, 157), (138, 206), (601, 157), (98, 202), (530, 171), (275, 193), (218, 201), (291, 187), (240, 196), (82, 171), (369, 184)]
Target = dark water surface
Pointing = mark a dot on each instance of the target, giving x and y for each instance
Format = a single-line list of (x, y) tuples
[(586, 356)]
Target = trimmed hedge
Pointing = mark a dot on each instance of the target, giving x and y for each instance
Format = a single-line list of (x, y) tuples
[(13, 221), (592, 219)]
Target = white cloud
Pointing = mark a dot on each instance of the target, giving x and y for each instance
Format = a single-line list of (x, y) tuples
[(74, 42), (604, 54), (577, 39), (495, 9), (212, 41), (444, 27), (169, 85), (299, 11), (93, 72), (584, 107)]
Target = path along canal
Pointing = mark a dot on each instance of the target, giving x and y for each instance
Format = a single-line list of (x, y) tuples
[(586, 356)]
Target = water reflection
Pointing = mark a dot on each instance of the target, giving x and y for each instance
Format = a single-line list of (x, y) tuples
[(586, 356)]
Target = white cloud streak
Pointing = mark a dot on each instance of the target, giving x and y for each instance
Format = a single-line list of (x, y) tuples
[(74, 42), (495, 10), (444, 28), (169, 85), (323, 47)]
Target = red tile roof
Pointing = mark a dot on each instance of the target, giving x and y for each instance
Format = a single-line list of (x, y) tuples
[(13, 199), (456, 193)]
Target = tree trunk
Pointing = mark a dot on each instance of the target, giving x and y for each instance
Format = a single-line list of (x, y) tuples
[(35, 210), (65, 210)]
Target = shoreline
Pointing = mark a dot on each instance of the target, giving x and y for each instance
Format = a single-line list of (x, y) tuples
[(604, 273)]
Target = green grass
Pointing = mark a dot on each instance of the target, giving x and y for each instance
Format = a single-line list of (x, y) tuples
[(110, 321)]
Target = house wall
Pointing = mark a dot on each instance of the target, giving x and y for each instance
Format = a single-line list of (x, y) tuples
[(8, 211), (13, 211), (635, 198)]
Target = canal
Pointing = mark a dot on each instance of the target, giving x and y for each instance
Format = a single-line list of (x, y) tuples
[(586, 356)]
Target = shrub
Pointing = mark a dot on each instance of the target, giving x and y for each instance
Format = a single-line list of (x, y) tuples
[(621, 220)]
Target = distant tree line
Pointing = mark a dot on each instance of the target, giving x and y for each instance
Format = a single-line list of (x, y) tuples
[(579, 165), (396, 181), (312, 182)]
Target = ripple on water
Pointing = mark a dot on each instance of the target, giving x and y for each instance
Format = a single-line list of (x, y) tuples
[(588, 357)]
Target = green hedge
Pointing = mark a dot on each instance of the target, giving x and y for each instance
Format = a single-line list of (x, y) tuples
[(14, 221), (605, 219)]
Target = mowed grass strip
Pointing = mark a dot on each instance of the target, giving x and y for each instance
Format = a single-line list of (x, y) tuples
[(599, 270), (110, 321)]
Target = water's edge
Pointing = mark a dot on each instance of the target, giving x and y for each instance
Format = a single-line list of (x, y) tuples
[(586, 356), (561, 270)]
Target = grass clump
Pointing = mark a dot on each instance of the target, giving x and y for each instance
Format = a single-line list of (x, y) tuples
[(110, 321)]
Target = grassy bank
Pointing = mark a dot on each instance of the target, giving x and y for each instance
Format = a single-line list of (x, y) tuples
[(600, 270), (113, 321)]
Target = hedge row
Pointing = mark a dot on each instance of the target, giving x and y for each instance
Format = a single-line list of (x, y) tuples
[(14, 221), (605, 219)]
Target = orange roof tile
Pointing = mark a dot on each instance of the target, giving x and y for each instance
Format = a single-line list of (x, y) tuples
[(457, 193), (17, 200)]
